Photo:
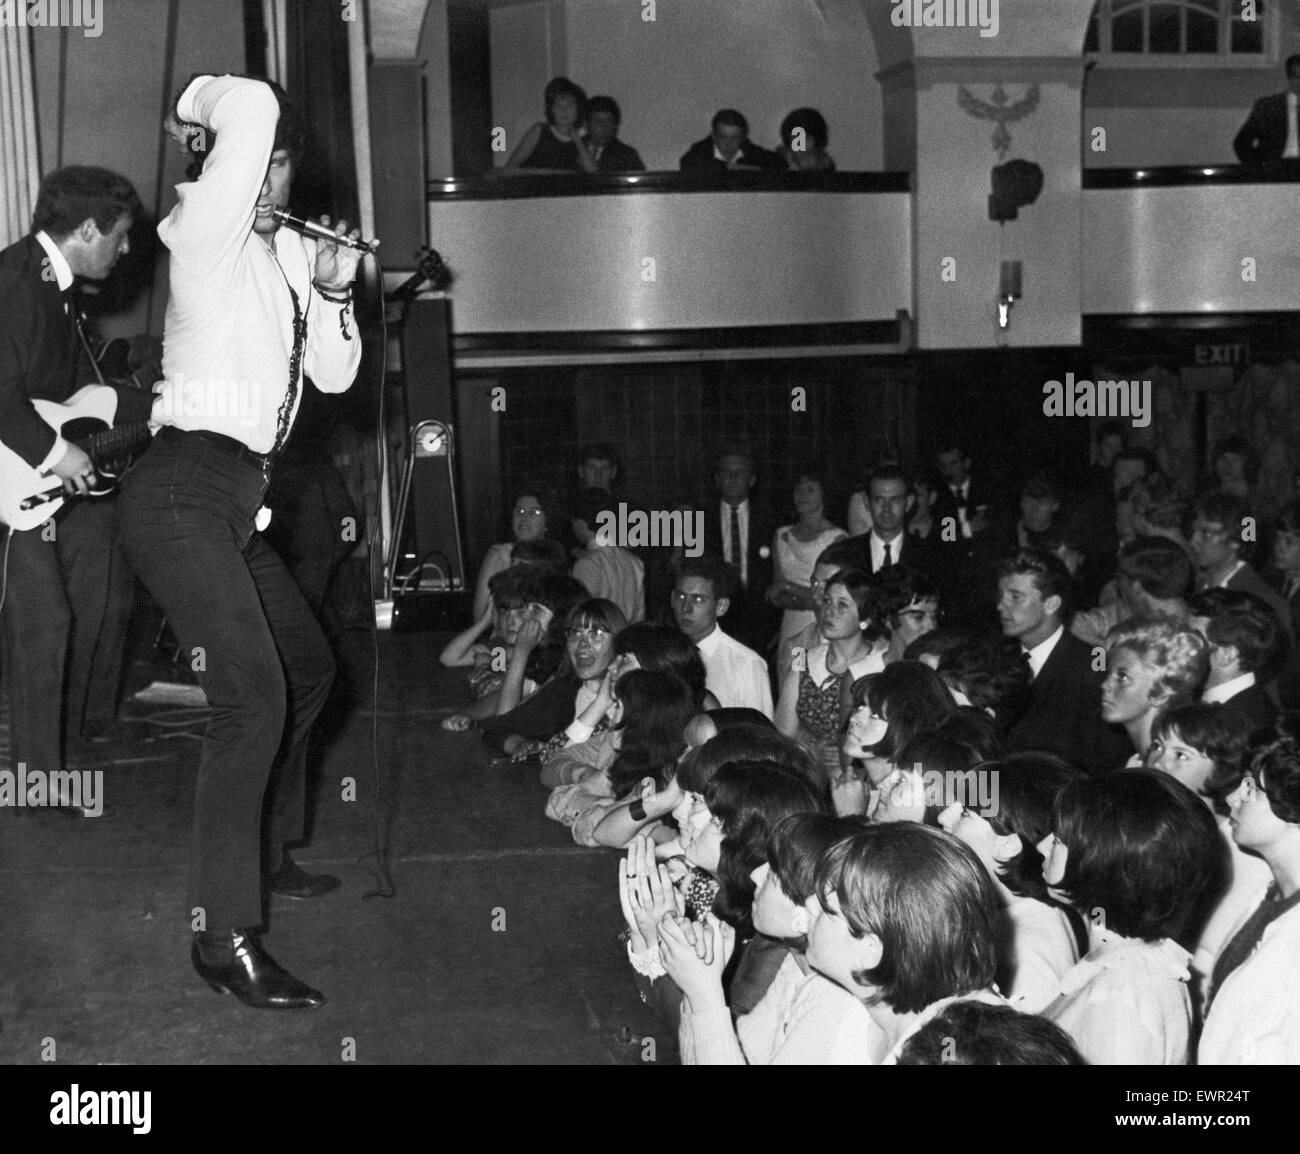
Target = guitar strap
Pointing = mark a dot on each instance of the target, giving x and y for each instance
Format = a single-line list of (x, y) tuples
[(85, 344)]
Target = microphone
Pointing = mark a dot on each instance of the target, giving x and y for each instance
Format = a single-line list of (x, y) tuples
[(320, 232)]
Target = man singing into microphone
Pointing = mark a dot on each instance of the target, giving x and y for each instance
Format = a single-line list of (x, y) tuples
[(252, 310)]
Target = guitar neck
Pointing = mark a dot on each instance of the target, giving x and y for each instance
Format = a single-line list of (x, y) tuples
[(121, 439)]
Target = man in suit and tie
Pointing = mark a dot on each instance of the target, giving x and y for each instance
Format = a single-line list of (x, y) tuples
[(740, 531), (1272, 131), (1241, 638), (889, 499), (65, 580), (1064, 714), (963, 505)]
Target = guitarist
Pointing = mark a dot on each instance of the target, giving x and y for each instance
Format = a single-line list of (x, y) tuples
[(67, 594)]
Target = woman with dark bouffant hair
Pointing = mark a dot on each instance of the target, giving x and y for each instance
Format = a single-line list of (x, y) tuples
[(556, 144), (903, 917), (803, 1019), (1199, 744), (1135, 854), (638, 751), (723, 834), (887, 710), (1254, 1013), (666, 649), (1037, 941)]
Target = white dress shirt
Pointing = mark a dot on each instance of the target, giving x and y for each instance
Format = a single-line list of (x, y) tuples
[(229, 325), (1292, 149), (735, 674), (878, 550), (1039, 654), (1228, 690), (960, 492), (740, 563), (63, 277)]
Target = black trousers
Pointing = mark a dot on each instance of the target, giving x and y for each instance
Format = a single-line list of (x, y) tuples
[(187, 528), (66, 608)]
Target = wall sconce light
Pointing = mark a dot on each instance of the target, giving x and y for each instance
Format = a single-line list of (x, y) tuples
[(1010, 286)]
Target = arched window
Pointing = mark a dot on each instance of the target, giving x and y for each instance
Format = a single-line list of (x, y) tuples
[(1154, 28)]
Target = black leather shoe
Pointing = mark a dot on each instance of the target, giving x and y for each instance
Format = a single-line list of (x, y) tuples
[(292, 881), (253, 976)]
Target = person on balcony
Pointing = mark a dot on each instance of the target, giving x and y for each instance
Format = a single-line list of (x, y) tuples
[(603, 119), (728, 148), (1272, 132), (803, 142), (555, 145)]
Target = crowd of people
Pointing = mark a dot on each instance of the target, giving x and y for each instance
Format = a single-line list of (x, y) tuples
[(965, 781), (580, 134)]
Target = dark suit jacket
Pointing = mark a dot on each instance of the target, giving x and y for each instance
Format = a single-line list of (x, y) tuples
[(919, 552), (699, 158), (752, 619), (1246, 580), (620, 157), (1254, 708), (979, 493), (39, 349), (1064, 713), (1263, 137)]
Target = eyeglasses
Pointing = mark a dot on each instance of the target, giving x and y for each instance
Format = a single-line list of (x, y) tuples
[(520, 511), (1209, 534), (595, 635)]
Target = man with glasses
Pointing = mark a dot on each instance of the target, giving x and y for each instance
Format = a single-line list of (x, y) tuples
[(734, 673), (1221, 546)]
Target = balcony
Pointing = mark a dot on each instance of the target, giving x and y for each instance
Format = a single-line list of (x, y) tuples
[(663, 266)]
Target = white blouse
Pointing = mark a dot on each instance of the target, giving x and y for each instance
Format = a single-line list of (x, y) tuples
[(1127, 1003)]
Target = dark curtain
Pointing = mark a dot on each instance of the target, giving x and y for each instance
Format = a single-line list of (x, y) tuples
[(317, 83)]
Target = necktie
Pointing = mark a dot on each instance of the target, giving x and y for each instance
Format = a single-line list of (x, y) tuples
[(735, 540), (889, 559)]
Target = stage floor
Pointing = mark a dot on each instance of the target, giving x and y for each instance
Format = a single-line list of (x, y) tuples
[(499, 945)]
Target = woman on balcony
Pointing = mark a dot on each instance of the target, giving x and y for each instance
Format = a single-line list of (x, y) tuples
[(555, 145)]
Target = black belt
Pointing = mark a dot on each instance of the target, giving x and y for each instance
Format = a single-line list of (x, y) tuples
[(228, 445)]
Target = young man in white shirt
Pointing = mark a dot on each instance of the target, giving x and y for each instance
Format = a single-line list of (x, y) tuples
[(734, 673), (606, 569), (252, 309)]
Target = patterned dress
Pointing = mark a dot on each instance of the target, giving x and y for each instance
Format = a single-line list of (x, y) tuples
[(818, 707)]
